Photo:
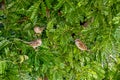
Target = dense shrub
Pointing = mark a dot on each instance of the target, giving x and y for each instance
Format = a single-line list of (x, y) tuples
[(95, 22)]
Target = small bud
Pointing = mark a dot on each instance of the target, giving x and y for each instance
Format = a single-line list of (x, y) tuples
[(23, 58), (26, 57)]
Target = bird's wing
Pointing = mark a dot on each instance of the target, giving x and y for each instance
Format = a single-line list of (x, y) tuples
[(82, 45)]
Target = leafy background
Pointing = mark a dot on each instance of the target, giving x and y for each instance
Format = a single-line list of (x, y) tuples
[(58, 58)]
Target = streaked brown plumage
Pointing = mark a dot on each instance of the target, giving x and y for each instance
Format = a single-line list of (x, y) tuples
[(80, 45), (38, 30), (35, 43)]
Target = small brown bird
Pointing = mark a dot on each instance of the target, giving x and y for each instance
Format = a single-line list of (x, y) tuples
[(80, 45), (35, 43), (38, 30)]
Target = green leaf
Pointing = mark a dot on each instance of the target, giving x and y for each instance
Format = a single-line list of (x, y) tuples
[(33, 10), (3, 43), (43, 8), (48, 3), (58, 6), (3, 66)]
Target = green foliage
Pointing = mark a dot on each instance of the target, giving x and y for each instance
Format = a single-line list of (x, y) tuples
[(94, 22)]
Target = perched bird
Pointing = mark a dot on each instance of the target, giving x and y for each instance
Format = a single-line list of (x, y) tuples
[(35, 43), (80, 45), (38, 30)]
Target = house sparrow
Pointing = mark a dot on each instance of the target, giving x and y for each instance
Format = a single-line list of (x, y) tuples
[(38, 30), (80, 45), (35, 43)]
